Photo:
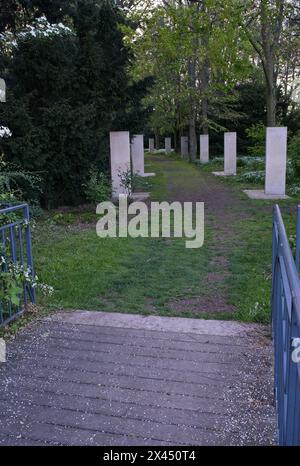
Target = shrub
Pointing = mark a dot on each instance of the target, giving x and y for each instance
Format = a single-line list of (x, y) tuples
[(294, 153), (68, 88), (257, 135), (253, 177), (97, 188), (255, 163)]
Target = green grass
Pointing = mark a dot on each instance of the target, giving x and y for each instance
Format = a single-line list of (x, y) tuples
[(126, 275), (143, 275), (250, 251)]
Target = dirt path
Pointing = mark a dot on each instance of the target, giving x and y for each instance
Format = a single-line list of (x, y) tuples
[(223, 209), (96, 378)]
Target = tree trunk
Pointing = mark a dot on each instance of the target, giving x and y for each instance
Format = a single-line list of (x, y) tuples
[(193, 138), (270, 35), (204, 86), (192, 119), (271, 93), (157, 138)]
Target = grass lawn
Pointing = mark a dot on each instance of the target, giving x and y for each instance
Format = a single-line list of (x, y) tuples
[(148, 275), (123, 274)]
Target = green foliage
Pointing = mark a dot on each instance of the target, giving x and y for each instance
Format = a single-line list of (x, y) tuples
[(14, 278), (17, 183), (294, 153), (98, 187), (257, 136), (191, 49), (255, 177), (11, 287), (66, 91), (131, 182)]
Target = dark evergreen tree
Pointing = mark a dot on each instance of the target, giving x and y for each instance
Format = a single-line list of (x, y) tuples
[(66, 92)]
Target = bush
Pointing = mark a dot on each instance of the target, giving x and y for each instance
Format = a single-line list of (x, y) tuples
[(257, 135), (255, 163), (255, 177), (97, 188), (67, 89), (17, 184), (294, 153)]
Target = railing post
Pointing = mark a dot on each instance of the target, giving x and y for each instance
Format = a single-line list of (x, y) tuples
[(298, 239), (29, 248), (286, 328), (12, 232)]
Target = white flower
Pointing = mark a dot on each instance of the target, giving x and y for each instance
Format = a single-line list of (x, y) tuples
[(5, 132), (40, 28)]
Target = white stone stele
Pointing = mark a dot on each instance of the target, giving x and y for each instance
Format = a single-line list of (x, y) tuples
[(276, 160), (119, 160), (151, 145), (229, 155), (137, 156), (184, 146), (204, 148), (168, 147), (2, 90)]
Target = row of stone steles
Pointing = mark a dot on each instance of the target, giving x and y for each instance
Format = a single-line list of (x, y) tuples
[(127, 155), (275, 161), (126, 159), (230, 151)]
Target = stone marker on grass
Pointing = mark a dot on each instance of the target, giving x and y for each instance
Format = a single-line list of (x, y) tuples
[(168, 147), (276, 160), (229, 155), (2, 90), (151, 145), (184, 146), (204, 148), (137, 156), (119, 160)]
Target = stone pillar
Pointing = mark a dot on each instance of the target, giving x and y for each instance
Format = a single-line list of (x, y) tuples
[(184, 146), (167, 145), (137, 154), (230, 153), (276, 159), (204, 148), (2, 90), (151, 145), (119, 160)]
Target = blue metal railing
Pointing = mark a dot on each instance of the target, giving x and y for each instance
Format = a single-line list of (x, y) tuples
[(286, 331), (16, 250)]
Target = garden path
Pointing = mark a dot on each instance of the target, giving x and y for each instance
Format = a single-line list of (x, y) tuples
[(96, 378)]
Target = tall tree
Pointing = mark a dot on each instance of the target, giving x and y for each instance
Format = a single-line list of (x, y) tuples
[(263, 24), (67, 88), (192, 50)]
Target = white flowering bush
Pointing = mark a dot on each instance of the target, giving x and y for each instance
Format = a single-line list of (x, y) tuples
[(41, 28), (253, 177), (13, 277), (5, 132), (293, 190)]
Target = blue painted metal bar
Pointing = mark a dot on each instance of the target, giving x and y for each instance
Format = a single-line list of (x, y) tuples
[(286, 332), (298, 239), (16, 249)]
